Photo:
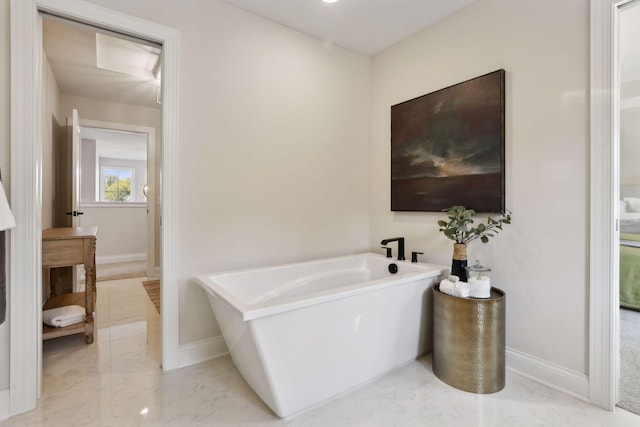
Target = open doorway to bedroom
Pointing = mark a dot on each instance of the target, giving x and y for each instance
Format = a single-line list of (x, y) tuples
[(629, 178)]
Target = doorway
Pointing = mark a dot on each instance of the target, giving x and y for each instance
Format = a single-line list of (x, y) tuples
[(97, 170), (26, 174), (604, 301), (114, 82), (628, 130), (113, 154)]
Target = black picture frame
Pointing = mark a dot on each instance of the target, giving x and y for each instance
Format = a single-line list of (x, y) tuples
[(447, 148)]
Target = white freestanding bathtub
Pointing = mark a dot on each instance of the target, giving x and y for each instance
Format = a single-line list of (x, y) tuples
[(303, 333)]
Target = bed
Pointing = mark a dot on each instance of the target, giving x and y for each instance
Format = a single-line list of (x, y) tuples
[(630, 247)]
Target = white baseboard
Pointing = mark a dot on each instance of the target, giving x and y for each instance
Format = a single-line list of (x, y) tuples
[(557, 377), (200, 351), (4, 404), (112, 259), (549, 374)]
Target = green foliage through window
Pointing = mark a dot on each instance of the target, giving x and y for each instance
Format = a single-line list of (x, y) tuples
[(117, 185)]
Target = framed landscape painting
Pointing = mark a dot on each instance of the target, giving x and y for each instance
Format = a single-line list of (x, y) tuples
[(447, 148)]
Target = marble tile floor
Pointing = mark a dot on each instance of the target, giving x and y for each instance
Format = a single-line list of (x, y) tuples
[(117, 381)]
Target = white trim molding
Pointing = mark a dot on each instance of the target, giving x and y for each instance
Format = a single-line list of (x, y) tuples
[(26, 193), (604, 329), (201, 351), (558, 377), (112, 259), (26, 202), (601, 320)]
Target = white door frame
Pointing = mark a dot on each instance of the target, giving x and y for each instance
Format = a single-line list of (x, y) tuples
[(26, 183), (604, 320)]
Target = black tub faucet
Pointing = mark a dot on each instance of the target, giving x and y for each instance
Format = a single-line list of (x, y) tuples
[(400, 241), (414, 256)]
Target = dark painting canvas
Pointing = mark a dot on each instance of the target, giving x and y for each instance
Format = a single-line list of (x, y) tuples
[(447, 148)]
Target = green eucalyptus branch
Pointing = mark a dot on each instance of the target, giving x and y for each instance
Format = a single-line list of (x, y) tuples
[(459, 228)]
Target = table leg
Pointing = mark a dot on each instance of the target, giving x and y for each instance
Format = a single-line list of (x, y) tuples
[(90, 300)]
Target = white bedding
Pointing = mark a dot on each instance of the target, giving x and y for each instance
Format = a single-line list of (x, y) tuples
[(630, 222)]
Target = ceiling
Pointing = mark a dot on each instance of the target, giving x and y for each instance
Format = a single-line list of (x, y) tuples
[(97, 65), (365, 26), (83, 63), (82, 59)]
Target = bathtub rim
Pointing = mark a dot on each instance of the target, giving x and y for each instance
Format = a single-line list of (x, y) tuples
[(269, 308)]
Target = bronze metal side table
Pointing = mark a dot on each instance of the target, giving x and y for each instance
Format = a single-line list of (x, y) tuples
[(469, 341)]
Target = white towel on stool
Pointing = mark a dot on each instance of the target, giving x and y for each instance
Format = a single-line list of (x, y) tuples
[(457, 289), (60, 317)]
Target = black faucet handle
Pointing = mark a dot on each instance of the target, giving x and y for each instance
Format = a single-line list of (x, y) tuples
[(400, 241), (414, 256), (389, 255)]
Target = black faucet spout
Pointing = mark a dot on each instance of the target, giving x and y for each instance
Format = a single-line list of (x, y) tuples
[(400, 241)]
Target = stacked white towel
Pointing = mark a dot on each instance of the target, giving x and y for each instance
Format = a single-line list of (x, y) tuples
[(453, 286), (63, 316)]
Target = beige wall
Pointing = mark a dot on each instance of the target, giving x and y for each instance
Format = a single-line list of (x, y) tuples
[(541, 259), (51, 120)]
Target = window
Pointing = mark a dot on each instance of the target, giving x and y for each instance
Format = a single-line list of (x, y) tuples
[(116, 184)]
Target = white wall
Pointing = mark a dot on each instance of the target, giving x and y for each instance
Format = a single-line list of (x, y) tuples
[(273, 146), (541, 259), (122, 231)]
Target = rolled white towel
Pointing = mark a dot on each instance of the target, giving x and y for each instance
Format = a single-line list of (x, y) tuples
[(463, 289), (453, 278), (60, 317), (457, 289), (448, 287), (70, 321)]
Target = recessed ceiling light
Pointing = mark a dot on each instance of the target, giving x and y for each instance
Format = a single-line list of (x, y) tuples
[(329, 1)]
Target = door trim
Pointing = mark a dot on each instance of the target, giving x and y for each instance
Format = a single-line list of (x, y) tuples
[(26, 187), (604, 319)]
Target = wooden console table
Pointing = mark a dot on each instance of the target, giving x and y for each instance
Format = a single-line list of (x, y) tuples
[(65, 247)]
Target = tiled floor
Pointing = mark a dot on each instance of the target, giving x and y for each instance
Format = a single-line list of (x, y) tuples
[(117, 381)]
